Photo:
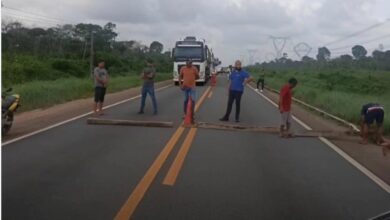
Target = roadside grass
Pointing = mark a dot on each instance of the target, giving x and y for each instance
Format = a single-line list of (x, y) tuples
[(339, 93), (42, 94)]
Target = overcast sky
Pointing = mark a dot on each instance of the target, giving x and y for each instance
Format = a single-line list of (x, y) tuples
[(230, 27)]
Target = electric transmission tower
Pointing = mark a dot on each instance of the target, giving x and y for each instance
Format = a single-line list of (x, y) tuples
[(251, 53), (302, 49), (279, 44)]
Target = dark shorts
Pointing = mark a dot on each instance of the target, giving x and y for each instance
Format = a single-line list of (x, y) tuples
[(374, 115), (100, 92)]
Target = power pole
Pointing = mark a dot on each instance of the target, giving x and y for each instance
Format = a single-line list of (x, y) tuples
[(91, 57)]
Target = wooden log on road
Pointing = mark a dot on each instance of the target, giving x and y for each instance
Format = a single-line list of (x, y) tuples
[(341, 135), (236, 127), (104, 121)]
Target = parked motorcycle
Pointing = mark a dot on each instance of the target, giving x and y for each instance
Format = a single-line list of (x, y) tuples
[(9, 105)]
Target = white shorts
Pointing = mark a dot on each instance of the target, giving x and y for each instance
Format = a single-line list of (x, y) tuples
[(286, 118)]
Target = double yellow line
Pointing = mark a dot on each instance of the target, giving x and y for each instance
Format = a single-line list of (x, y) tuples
[(138, 193)]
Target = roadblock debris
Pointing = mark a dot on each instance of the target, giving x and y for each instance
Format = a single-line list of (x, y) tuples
[(101, 121), (344, 135)]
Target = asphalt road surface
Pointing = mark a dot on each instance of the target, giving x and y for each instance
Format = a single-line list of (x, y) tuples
[(80, 171)]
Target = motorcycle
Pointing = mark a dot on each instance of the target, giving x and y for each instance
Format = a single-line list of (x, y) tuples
[(9, 105)]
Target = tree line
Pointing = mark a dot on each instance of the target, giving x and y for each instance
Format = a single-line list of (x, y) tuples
[(379, 60), (35, 53)]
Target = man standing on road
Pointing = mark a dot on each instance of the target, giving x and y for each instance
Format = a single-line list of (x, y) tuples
[(187, 80), (148, 87), (372, 112), (261, 80), (101, 82), (285, 100), (237, 80)]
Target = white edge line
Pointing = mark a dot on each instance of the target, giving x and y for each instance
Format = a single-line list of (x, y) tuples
[(364, 170), (73, 119)]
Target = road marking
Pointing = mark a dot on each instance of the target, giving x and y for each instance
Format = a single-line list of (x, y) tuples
[(357, 165), (211, 94), (201, 100), (73, 119), (177, 164), (138, 193)]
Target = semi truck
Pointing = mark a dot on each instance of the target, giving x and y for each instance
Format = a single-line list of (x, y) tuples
[(199, 53)]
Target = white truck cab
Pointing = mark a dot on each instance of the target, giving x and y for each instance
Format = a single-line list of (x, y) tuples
[(198, 52)]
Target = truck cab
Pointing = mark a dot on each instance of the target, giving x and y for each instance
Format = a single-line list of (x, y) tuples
[(197, 51)]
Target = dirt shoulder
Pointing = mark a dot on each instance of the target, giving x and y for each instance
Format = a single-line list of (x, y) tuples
[(371, 156), (27, 122)]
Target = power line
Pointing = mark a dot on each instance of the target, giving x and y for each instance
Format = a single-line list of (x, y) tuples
[(30, 19), (350, 52), (365, 42), (358, 32), (34, 14)]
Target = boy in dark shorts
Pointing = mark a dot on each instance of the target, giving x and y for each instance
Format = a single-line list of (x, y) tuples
[(372, 112), (101, 81)]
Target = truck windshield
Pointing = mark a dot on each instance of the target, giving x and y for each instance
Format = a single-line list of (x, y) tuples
[(184, 53)]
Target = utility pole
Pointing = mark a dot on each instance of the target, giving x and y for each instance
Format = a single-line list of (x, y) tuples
[(91, 57)]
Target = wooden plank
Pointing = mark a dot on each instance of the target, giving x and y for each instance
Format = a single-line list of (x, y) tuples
[(101, 121), (236, 127), (342, 135)]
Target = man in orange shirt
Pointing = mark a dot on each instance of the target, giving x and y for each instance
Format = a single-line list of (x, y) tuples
[(188, 76), (285, 107)]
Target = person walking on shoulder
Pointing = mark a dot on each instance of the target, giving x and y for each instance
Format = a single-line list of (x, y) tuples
[(261, 80)]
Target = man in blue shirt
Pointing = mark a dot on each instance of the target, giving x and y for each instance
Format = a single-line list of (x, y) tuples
[(237, 80)]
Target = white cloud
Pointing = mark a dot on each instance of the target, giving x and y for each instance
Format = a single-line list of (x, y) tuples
[(232, 26)]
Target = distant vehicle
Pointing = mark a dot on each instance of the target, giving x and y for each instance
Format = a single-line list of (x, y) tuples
[(201, 55), (225, 69), (9, 105)]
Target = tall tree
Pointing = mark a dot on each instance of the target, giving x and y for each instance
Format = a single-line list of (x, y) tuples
[(323, 54), (359, 52), (156, 47)]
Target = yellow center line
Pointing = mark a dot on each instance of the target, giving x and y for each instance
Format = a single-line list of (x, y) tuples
[(201, 100), (177, 164), (138, 193), (175, 168), (211, 94)]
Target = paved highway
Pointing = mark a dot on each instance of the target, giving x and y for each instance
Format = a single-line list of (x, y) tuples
[(80, 171)]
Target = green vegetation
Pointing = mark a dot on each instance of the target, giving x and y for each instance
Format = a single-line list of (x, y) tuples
[(48, 66), (338, 92), (40, 94), (341, 85)]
